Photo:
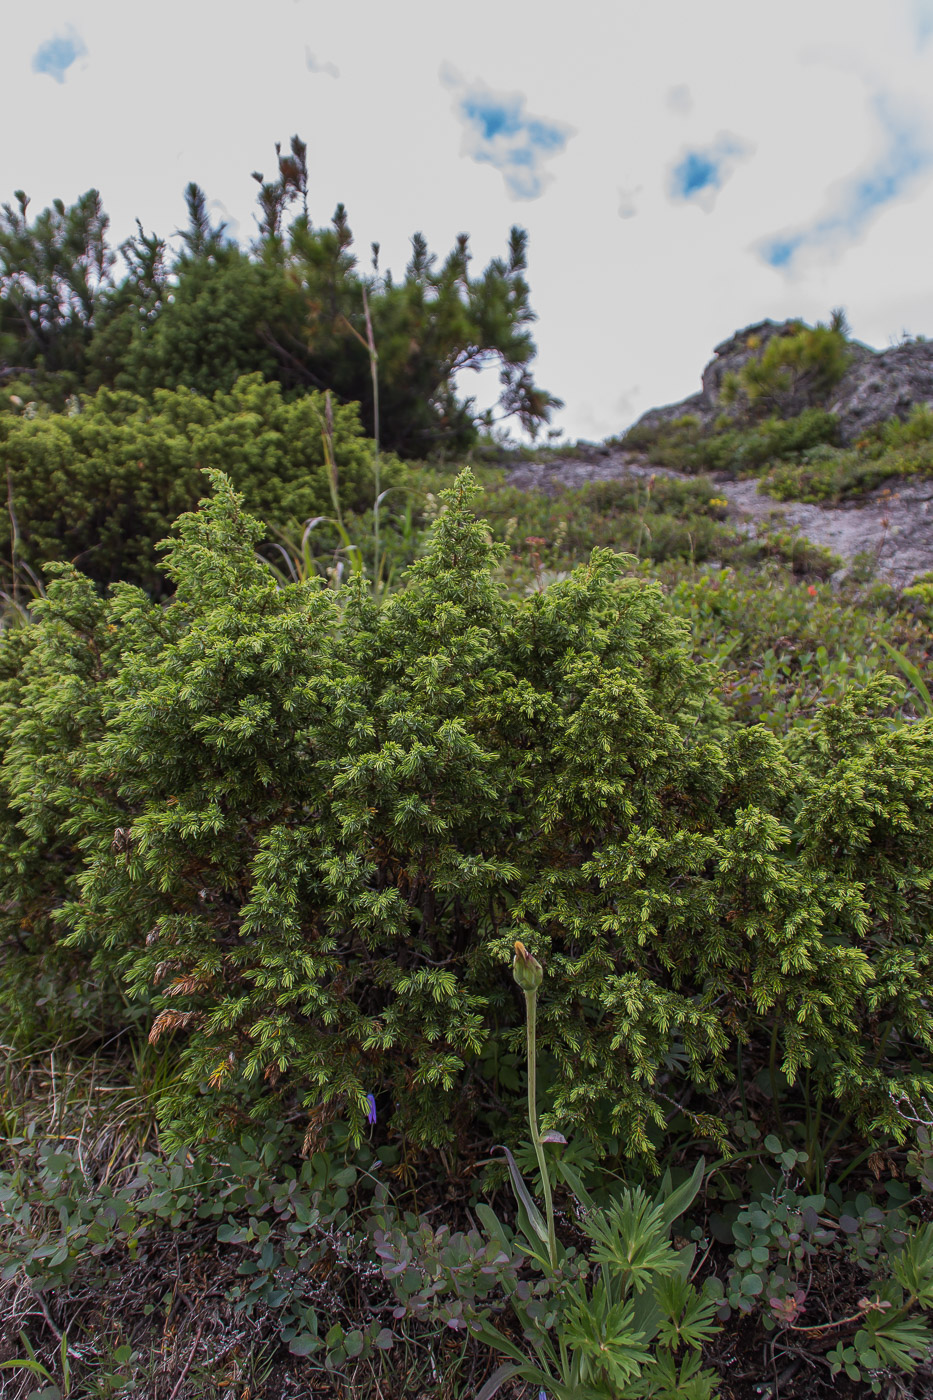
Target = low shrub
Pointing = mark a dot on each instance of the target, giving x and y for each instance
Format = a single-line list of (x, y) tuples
[(102, 485), (800, 366), (657, 518), (685, 446), (919, 596), (887, 450), (846, 475), (312, 828), (786, 648)]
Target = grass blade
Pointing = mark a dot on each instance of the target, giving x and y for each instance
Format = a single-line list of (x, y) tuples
[(498, 1378), (912, 674), (525, 1198)]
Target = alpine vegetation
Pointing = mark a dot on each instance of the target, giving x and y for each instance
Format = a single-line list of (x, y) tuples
[(312, 828)]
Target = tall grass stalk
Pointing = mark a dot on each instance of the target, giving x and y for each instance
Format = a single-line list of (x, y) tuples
[(369, 344)]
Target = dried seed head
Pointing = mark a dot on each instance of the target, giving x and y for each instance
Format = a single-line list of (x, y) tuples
[(185, 986), (122, 840), (172, 1021), (165, 969)]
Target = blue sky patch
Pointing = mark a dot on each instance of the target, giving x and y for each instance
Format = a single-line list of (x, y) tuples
[(492, 116), (498, 131), (907, 154), (779, 252), (694, 173), (702, 171), (56, 55)]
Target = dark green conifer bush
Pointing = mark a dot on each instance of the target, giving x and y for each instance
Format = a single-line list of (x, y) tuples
[(312, 828), (205, 337), (296, 308), (102, 486)]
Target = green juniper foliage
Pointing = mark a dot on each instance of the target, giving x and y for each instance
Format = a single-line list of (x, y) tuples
[(103, 485), (312, 828)]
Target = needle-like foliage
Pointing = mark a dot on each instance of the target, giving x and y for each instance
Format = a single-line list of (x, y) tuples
[(314, 828)]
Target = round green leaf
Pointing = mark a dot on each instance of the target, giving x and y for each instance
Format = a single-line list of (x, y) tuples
[(303, 1345)]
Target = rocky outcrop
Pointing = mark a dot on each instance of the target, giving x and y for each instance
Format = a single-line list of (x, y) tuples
[(884, 385), (697, 406), (877, 385), (732, 354)]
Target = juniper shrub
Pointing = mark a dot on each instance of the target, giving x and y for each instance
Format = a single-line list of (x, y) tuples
[(312, 828)]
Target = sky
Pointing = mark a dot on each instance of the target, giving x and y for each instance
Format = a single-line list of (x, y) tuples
[(683, 170)]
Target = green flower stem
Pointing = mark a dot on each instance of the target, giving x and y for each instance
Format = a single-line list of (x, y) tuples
[(531, 1008)]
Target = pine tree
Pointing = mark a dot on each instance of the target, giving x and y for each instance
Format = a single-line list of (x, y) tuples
[(53, 274)]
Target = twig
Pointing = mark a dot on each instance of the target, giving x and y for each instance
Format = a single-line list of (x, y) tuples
[(291, 360), (46, 1314), (181, 1379), (841, 1322), (14, 532)]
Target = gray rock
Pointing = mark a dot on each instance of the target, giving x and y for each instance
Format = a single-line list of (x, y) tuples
[(696, 406), (732, 354), (886, 384), (728, 357)]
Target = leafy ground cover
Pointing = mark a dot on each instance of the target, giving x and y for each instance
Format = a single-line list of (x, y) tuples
[(892, 450), (735, 449), (799, 458)]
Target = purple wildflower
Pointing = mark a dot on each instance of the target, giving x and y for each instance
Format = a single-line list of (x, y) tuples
[(371, 1113)]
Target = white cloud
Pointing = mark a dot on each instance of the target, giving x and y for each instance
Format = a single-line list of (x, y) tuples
[(922, 15), (628, 208), (679, 99), (905, 158), (317, 65), (218, 213)]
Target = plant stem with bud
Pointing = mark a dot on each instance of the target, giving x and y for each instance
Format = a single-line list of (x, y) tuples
[(528, 973)]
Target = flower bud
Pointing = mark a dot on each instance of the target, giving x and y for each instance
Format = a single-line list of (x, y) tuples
[(526, 969)]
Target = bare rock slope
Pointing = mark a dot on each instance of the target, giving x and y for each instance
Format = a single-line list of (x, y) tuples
[(893, 525)]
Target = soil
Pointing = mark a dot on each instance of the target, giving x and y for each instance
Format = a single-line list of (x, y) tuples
[(891, 527)]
